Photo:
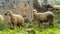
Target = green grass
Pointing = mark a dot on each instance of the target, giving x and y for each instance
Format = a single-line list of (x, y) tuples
[(22, 30)]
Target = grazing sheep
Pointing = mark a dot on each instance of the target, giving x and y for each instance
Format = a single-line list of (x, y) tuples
[(43, 17), (1, 18), (16, 20)]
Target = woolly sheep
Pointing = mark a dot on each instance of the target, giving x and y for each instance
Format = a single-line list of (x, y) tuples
[(16, 20), (43, 17), (1, 18)]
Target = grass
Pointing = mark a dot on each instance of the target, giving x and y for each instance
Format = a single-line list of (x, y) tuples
[(17, 31)]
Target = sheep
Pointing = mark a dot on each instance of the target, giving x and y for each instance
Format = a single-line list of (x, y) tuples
[(43, 17), (1, 18), (57, 7), (16, 20)]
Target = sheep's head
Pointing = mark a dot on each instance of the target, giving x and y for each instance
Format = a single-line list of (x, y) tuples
[(8, 12)]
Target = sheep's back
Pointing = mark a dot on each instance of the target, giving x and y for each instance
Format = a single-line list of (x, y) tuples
[(40, 16), (49, 15), (44, 16), (19, 18)]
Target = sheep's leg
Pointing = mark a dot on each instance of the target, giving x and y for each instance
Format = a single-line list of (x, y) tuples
[(14, 23), (51, 23), (13, 26), (38, 23), (22, 24), (19, 25), (40, 26)]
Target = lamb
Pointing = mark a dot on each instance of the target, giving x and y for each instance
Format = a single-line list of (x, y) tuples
[(43, 17), (16, 20)]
